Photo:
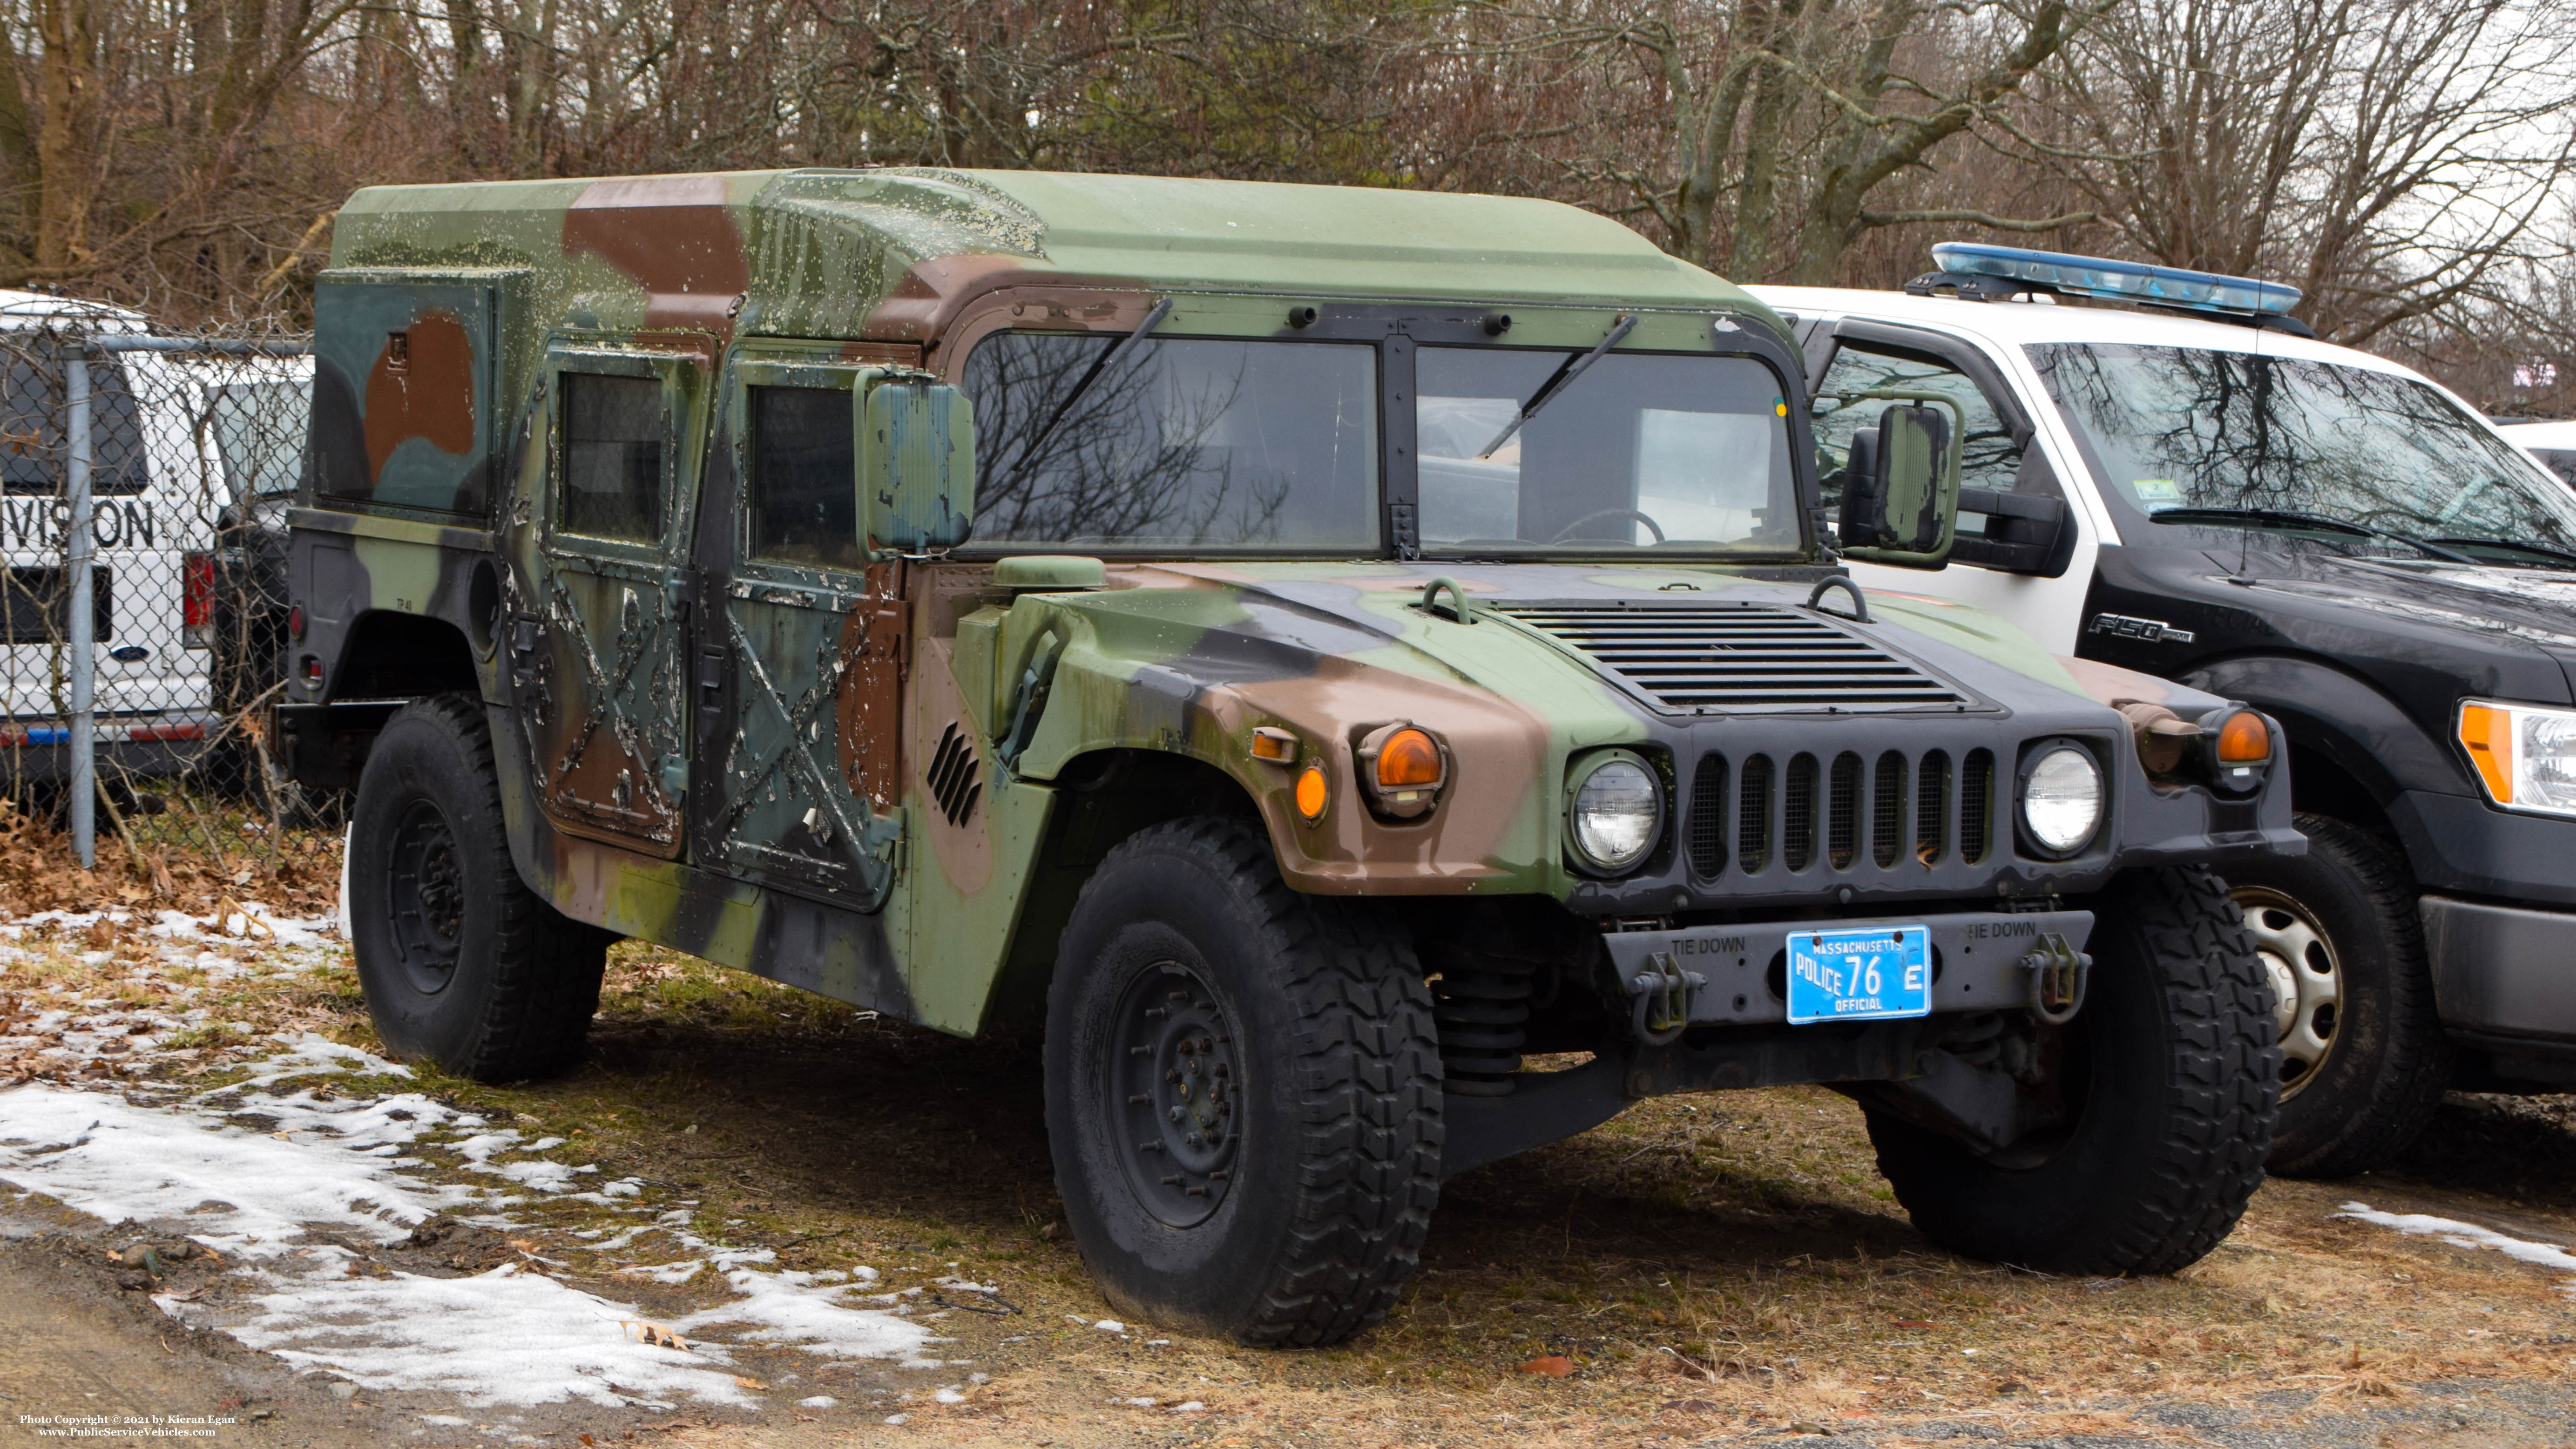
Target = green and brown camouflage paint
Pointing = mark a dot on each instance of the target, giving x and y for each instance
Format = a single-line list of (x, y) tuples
[(799, 773)]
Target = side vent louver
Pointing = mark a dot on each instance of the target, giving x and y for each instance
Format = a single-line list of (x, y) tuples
[(954, 781)]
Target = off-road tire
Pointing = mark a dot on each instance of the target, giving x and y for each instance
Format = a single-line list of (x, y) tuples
[(1337, 1165), (2390, 1060), (2179, 1089), (521, 982)]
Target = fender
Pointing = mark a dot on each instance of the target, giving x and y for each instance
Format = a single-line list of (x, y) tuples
[(2344, 718)]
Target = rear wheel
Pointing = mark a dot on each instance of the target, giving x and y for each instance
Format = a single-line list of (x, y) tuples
[(1243, 1092), (2365, 1059), (460, 961), (2169, 1081)]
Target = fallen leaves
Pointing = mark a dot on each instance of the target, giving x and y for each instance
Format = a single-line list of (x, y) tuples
[(655, 1334)]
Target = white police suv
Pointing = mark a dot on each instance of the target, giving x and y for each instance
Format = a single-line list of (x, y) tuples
[(2164, 471)]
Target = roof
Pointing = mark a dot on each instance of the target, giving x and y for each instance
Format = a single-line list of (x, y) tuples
[(2017, 324), (2540, 435), (25, 311), (819, 252)]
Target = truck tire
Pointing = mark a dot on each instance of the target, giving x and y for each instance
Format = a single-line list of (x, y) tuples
[(2376, 1059), (2174, 1080), (1243, 1092), (461, 963)]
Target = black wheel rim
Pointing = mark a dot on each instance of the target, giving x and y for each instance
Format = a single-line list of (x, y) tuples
[(1175, 1085), (425, 890)]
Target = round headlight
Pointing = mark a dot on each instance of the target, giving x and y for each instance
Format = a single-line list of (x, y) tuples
[(2063, 800), (1618, 811)]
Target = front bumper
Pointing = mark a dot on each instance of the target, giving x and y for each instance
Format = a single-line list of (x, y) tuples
[(2503, 970), (1978, 960)]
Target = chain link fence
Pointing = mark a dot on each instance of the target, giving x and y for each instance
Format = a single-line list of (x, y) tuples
[(144, 486)]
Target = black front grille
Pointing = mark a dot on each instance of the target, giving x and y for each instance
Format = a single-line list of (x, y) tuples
[(1842, 815), (1798, 815), (1931, 808), (1753, 815), (1976, 806), (1897, 813), (1708, 818), (1738, 657), (1887, 810)]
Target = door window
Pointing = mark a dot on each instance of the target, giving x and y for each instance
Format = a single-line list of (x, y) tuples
[(1989, 458), (804, 493), (616, 431)]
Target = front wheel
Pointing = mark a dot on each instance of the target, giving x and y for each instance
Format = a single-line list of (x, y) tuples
[(461, 963), (1243, 1092), (2365, 1058), (2169, 1080)]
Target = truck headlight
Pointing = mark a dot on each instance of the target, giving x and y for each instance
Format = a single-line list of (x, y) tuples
[(2061, 798), (1614, 812), (2525, 756)]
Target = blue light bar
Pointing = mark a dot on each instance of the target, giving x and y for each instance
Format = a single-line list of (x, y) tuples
[(2126, 281)]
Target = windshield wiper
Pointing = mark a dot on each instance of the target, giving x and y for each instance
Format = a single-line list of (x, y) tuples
[(2509, 546), (2304, 520), (1099, 365), (1557, 382)]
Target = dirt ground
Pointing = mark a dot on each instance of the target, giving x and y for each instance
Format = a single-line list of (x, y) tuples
[(1708, 1270)]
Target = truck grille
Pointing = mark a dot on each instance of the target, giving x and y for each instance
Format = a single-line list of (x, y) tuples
[(1864, 814), (1720, 656)]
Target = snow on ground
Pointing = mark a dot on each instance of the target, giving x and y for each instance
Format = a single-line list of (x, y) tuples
[(266, 1169), (2467, 1235)]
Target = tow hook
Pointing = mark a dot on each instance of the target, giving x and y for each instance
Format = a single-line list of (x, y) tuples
[(2057, 974), (1663, 992)]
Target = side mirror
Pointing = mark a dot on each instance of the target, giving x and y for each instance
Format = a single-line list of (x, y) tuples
[(916, 463), (1901, 494)]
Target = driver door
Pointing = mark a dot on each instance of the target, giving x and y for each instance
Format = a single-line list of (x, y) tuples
[(806, 645)]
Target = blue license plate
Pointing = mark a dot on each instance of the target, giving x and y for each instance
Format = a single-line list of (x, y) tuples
[(1861, 974)]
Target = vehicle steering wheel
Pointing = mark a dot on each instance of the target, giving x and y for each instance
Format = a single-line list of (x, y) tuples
[(1568, 531)]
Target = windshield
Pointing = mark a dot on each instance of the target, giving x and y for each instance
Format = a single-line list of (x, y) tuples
[(2224, 438), (1178, 443), (1687, 454)]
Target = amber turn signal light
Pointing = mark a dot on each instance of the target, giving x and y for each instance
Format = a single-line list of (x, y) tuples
[(1313, 793), (1403, 769), (2487, 733), (1408, 759), (1274, 746), (2244, 739)]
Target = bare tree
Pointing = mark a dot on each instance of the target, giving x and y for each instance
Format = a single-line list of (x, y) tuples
[(2392, 158), (1754, 135)]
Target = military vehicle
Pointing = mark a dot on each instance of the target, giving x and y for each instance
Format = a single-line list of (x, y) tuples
[(1357, 668)]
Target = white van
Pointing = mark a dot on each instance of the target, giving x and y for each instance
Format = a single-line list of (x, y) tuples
[(160, 485)]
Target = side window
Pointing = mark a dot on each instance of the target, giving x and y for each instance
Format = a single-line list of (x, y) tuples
[(616, 431), (1988, 456), (803, 492)]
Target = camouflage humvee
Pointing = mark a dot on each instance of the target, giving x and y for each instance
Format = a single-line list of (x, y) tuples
[(1310, 650)]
